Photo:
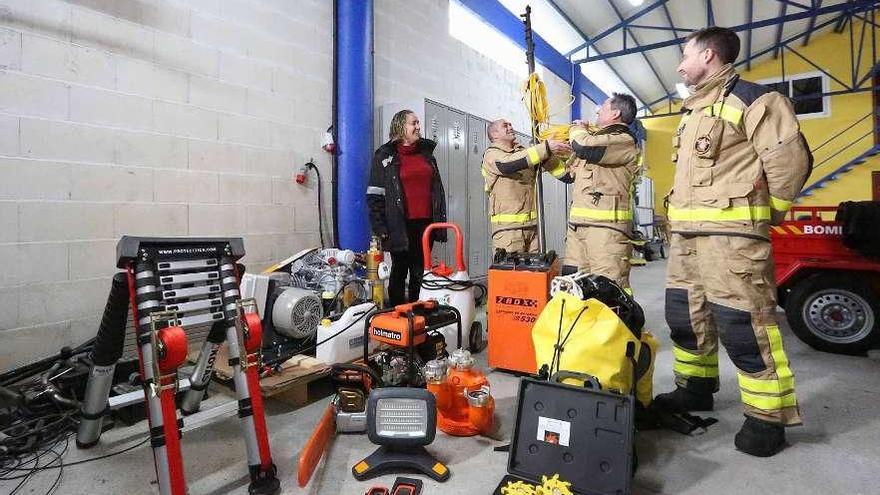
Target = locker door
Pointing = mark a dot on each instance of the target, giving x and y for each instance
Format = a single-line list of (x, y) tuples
[(478, 222), (555, 213), (456, 183), (434, 127)]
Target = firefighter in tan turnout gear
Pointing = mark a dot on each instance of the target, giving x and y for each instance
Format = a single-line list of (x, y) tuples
[(509, 172), (740, 160), (603, 169)]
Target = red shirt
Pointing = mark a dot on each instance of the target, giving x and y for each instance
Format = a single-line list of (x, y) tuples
[(415, 176)]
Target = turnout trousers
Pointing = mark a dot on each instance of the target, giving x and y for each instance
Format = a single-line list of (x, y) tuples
[(521, 240), (722, 287), (600, 250)]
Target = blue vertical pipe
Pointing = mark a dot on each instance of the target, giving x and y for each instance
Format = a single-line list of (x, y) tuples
[(576, 90), (354, 119)]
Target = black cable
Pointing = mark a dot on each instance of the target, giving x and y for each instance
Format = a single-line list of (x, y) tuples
[(83, 461), (310, 164), (446, 283)]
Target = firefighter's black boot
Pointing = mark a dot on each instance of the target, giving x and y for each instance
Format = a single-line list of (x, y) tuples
[(760, 438), (683, 400)]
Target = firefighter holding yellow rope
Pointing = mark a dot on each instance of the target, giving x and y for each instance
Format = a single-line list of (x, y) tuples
[(605, 164), (509, 171)]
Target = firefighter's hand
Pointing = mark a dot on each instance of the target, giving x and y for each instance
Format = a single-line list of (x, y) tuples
[(559, 147)]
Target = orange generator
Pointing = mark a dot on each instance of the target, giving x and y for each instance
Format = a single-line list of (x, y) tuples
[(519, 288)]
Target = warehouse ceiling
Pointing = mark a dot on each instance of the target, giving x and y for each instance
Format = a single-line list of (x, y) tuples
[(625, 30)]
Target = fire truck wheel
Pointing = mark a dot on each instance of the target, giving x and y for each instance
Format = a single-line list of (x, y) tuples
[(835, 312)]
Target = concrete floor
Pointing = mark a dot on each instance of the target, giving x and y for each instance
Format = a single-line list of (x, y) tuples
[(836, 451)]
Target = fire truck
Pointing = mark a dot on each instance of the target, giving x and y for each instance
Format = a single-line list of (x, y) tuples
[(830, 292)]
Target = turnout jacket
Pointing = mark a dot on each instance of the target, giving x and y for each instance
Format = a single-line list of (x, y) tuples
[(386, 198), (740, 158), (509, 175), (603, 169)]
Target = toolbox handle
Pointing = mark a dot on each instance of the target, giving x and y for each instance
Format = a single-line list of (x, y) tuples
[(590, 381), (459, 244)]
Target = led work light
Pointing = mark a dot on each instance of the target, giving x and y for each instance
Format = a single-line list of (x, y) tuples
[(401, 421)]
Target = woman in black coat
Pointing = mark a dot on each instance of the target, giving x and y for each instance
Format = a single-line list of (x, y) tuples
[(405, 195)]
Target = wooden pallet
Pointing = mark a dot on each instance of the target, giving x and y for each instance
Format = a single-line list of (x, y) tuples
[(291, 385)]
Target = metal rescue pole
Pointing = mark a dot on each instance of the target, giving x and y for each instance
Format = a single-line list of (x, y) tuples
[(539, 187)]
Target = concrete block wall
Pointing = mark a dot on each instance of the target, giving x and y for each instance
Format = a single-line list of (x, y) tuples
[(150, 117)]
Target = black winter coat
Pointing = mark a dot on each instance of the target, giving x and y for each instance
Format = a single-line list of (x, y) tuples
[(386, 200)]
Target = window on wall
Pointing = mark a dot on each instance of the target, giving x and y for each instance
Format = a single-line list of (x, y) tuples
[(467, 27), (805, 91)]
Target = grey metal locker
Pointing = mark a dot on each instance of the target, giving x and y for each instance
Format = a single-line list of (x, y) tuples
[(555, 213), (435, 127), (477, 233), (456, 182)]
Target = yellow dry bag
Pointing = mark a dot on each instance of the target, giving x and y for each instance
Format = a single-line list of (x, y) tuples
[(586, 336)]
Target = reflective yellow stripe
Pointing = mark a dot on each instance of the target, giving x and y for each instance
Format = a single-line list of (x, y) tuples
[(594, 214), (779, 204), (777, 353), (783, 386), (558, 170), (777, 387), (689, 357), (695, 365), (718, 215), (694, 370), (514, 217), (726, 112), (534, 157), (767, 402)]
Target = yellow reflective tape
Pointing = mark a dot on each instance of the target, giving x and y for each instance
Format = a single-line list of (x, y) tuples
[(439, 468), (514, 217), (361, 467), (534, 157), (795, 229), (779, 230), (718, 215), (778, 354), (779, 204), (558, 170), (689, 357), (591, 213), (726, 112), (778, 387), (695, 370), (768, 402)]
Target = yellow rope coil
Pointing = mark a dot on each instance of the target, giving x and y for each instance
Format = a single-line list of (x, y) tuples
[(535, 98), (549, 486)]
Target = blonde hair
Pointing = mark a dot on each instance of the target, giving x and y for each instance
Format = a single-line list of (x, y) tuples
[(398, 125)]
